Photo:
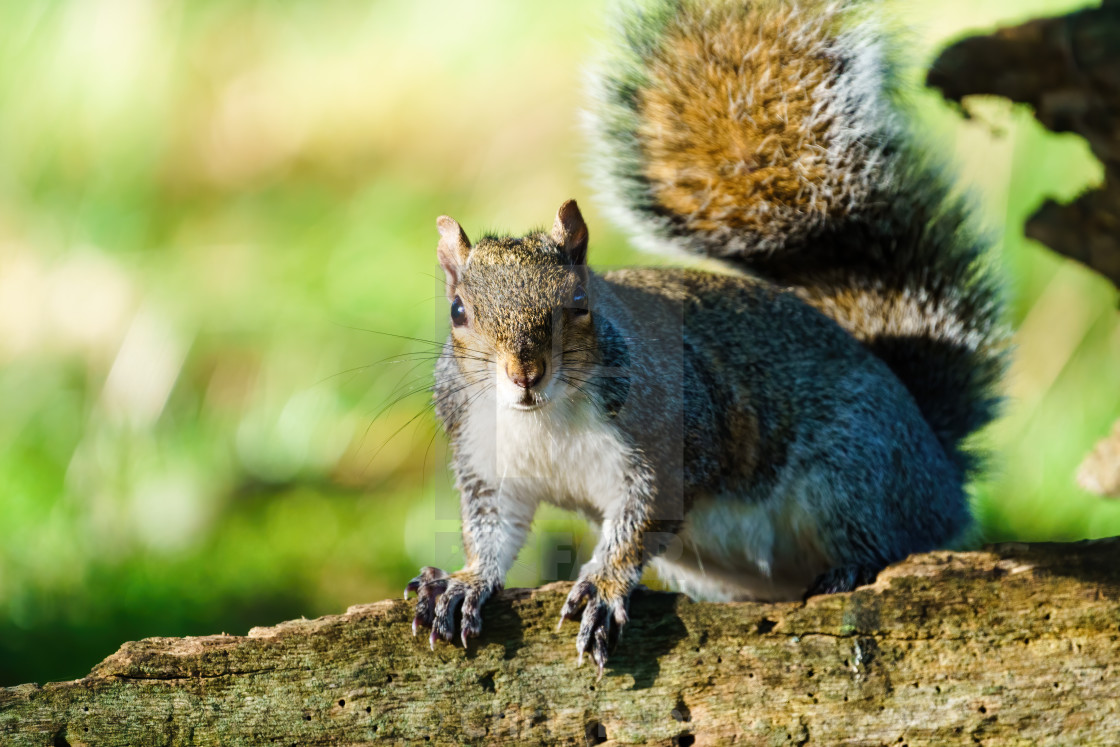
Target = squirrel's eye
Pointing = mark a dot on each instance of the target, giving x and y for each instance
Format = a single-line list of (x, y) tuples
[(458, 312), (579, 300)]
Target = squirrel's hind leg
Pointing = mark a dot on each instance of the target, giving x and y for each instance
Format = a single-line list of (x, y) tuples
[(844, 578)]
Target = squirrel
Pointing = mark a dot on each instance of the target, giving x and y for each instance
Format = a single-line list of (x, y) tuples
[(785, 428)]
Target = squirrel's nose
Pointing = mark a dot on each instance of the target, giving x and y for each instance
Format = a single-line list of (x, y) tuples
[(527, 375)]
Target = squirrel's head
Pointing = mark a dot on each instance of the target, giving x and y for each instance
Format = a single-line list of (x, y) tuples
[(519, 308)]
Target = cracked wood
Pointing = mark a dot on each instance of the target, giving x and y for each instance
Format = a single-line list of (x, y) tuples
[(1013, 645)]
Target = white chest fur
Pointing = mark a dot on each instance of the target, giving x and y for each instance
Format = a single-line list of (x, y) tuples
[(563, 453)]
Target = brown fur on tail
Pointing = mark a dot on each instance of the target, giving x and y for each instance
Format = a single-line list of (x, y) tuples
[(768, 134)]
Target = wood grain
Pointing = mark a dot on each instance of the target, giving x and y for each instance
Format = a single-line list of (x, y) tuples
[(1014, 645)]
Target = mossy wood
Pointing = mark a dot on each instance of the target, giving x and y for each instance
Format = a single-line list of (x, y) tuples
[(1016, 645)]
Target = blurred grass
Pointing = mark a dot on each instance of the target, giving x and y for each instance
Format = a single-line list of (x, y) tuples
[(209, 213)]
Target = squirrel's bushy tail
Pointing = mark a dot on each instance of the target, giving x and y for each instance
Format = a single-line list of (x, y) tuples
[(766, 134)]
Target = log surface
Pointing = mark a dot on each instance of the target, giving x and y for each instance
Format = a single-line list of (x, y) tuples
[(1017, 644)]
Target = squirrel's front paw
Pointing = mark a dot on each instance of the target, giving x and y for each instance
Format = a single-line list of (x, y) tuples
[(603, 602), (442, 596)]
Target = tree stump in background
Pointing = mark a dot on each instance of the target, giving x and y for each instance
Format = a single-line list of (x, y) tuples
[(1068, 70)]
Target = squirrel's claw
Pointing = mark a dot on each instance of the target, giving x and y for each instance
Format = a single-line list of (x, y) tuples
[(578, 597), (442, 599), (595, 633), (429, 585), (447, 607), (601, 621), (470, 619)]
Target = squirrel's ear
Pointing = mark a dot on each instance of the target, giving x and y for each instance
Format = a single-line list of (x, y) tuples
[(454, 247), (570, 232)]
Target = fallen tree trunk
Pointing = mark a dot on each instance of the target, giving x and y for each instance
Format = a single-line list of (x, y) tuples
[(1017, 644)]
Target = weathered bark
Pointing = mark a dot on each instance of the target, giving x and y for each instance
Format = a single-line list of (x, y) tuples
[(1068, 70), (1015, 645)]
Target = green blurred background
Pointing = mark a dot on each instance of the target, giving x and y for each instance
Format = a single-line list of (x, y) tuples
[(211, 211)]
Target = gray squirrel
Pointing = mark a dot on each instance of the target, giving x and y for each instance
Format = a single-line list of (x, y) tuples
[(784, 429)]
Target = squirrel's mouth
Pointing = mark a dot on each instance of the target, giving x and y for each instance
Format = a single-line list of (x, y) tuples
[(528, 401)]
